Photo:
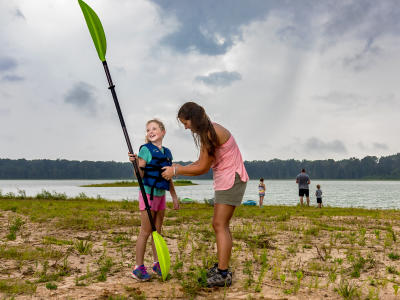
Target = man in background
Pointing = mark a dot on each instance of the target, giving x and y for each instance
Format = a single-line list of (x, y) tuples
[(303, 180)]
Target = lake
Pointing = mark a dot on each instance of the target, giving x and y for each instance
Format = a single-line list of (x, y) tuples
[(341, 193)]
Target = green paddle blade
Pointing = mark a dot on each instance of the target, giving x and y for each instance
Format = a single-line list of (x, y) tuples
[(95, 29), (162, 253)]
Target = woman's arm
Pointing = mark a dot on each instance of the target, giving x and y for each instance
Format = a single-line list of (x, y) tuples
[(201, 166)]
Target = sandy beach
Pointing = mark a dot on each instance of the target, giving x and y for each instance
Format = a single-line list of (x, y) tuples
[(82, 248)]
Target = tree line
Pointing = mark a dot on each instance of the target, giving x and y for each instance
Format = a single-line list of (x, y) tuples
[(369, 167)]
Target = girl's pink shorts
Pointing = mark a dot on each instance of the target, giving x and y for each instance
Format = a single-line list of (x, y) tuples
[(157, 204)]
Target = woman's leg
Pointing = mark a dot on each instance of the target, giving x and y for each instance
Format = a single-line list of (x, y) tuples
[(158, 218), (145, 231), (222, 215)]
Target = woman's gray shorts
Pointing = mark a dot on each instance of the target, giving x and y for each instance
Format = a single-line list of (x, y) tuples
[(234, 195)]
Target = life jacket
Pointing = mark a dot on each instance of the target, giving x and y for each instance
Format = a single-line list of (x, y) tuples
[(153, 169)]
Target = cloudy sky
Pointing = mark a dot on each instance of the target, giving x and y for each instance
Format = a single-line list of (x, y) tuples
[(290, 79)]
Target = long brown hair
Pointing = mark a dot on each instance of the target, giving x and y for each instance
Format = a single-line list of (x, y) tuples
[(203, 131)]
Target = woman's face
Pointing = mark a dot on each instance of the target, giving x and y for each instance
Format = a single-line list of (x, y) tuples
[(186, 123)]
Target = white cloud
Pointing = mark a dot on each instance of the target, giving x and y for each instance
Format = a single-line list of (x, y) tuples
[(305, 82)]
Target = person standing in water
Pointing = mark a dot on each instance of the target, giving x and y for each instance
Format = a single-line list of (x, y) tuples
[(219, 151), (303, 180), (261, 191), (318, 194)]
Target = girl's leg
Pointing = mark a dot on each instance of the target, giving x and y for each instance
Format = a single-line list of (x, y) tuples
[(145, 231), (158, 218), (261, 200), (222, 215)]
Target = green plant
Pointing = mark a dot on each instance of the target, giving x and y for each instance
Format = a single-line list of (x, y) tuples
[(248, 270), (51, 286), (347, 290), (393, 256), (264, 266), (282, 278), (377, 234), (357, 267), (299, 276), (312, 231), (14, 226), (395, 288), (392, 234), (54, 196), (373, 294), (15, 287), (83, 247), (105, 263), (392, 270), (177, 268), (332, 275)]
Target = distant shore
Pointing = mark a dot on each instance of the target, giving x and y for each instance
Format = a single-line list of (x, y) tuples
[(135, 183)]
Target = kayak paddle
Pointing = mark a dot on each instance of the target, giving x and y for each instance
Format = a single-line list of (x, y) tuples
[(99, 39)]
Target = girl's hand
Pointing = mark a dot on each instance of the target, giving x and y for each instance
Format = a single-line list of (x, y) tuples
[(132, 157), (175, 201), (167, 173)]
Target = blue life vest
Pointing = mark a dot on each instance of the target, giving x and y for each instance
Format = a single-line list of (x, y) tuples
[(152, 172)]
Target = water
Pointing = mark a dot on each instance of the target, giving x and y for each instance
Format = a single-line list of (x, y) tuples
[(368, 194)]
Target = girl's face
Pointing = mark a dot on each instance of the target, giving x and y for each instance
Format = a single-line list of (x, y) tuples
[(154, 133), (186, 123)]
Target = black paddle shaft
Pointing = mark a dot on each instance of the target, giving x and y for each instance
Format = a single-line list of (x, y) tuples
[(128, 142)]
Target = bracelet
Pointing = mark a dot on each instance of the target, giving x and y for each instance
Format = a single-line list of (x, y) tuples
[(174, 171)]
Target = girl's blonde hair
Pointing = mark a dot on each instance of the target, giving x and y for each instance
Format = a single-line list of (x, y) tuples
[(160, 124)]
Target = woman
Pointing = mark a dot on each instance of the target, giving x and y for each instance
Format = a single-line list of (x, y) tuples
[(219, 151)]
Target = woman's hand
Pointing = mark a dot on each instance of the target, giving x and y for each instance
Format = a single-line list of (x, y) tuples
[(168, 172), (132, 157)]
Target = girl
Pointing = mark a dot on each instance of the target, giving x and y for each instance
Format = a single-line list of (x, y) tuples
[(151, 158), (219, 151), (261, 191)]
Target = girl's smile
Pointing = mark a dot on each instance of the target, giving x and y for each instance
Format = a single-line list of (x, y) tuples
[(154, 133)]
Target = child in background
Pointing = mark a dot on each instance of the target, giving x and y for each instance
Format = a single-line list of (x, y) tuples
[(318, 194), (261, 191), (151, 158)]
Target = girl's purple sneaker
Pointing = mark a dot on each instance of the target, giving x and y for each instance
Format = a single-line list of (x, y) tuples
[(157, 269), (140, 273)]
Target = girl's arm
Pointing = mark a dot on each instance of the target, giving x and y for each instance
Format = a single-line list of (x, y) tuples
[(175, 199), (140, 161)]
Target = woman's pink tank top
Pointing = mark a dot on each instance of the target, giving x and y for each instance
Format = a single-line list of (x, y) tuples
[(228, 161)]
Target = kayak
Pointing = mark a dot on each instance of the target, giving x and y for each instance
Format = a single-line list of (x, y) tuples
[(187, 200), (250, 202)]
